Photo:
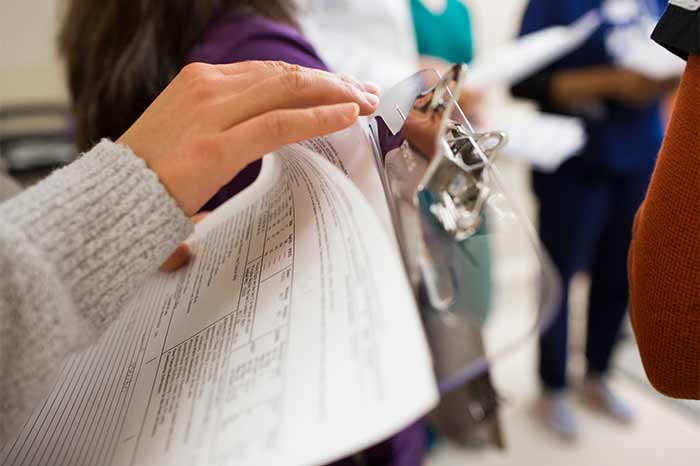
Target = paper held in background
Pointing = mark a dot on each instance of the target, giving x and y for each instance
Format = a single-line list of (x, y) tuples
[(542, 140), (531, 53), (631, 46), (633, 49), (653, 61)]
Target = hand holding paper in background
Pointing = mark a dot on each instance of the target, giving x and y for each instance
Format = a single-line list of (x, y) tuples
[(508, 64)]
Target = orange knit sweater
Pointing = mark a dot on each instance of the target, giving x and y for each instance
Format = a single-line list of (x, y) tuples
[(664, 260)]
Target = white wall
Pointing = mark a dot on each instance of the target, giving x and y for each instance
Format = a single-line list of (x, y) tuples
[(495, 21), (29, 67)]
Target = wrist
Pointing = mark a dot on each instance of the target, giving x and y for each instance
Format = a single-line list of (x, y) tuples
[(162, 171), (104, 219)]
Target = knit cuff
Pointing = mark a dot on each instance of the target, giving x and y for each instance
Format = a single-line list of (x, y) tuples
[(105, 221)]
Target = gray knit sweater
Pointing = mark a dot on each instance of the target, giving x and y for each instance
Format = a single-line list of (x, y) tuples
[(72, 249)]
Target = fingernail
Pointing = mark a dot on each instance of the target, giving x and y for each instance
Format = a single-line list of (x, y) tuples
[(372, 99), (372, 87)]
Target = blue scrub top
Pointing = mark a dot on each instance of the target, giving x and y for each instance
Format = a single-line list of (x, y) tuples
[(625, 139)]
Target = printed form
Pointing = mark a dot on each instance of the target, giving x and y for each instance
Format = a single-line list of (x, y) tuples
[(291, 339)]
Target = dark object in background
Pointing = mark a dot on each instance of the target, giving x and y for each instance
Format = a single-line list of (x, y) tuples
[(35, 138)]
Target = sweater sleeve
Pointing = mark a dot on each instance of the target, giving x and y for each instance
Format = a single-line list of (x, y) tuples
[(72, 250), (664, 259)]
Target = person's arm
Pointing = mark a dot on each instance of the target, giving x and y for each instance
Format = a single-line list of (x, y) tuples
[(71, 250), (74, 247), (538, 15), (563, 90), (664, 259)]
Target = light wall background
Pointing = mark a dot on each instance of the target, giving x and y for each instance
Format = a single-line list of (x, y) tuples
[(29, 66), (30, 69)]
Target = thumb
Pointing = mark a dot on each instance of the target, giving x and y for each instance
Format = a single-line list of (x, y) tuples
[(183, 253)]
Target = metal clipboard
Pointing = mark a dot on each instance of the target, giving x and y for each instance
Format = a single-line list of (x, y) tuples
[(455, 222)]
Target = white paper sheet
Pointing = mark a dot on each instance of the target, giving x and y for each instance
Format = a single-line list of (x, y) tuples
[(633, 48), (531, 53), (292, 338), (350, 150), (544, 141)]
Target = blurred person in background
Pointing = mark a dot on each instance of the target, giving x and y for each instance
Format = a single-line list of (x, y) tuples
[(443, 30), (120, 57), (587, 206), (444, 36), (385, 41), (664, 259)]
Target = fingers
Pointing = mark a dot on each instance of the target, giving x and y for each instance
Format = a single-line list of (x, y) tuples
[(292, 91), (179, 258), (199, 217), (251, 72), (236, 92), (241, 76), (182, 254), (372, 87), (268, 132)]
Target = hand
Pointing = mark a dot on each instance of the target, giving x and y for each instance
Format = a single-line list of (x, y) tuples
[(571, 88), (213, 120), (470, 102)]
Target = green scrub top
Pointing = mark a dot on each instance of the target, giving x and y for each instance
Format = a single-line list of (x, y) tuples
[(446, 35)]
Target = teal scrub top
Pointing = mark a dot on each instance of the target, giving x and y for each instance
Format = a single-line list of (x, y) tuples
[(446, 35)]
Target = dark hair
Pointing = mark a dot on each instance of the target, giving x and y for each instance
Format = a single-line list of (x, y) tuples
[(120, 54)]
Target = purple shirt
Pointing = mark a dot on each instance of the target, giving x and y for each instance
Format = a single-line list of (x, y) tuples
[(231, 38)]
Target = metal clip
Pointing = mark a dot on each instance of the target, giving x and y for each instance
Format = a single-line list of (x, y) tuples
[(455, 176)]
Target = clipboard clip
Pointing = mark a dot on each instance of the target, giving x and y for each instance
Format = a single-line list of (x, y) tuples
[(455, 175), (452, 213), (455, 178), (435, 126)]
